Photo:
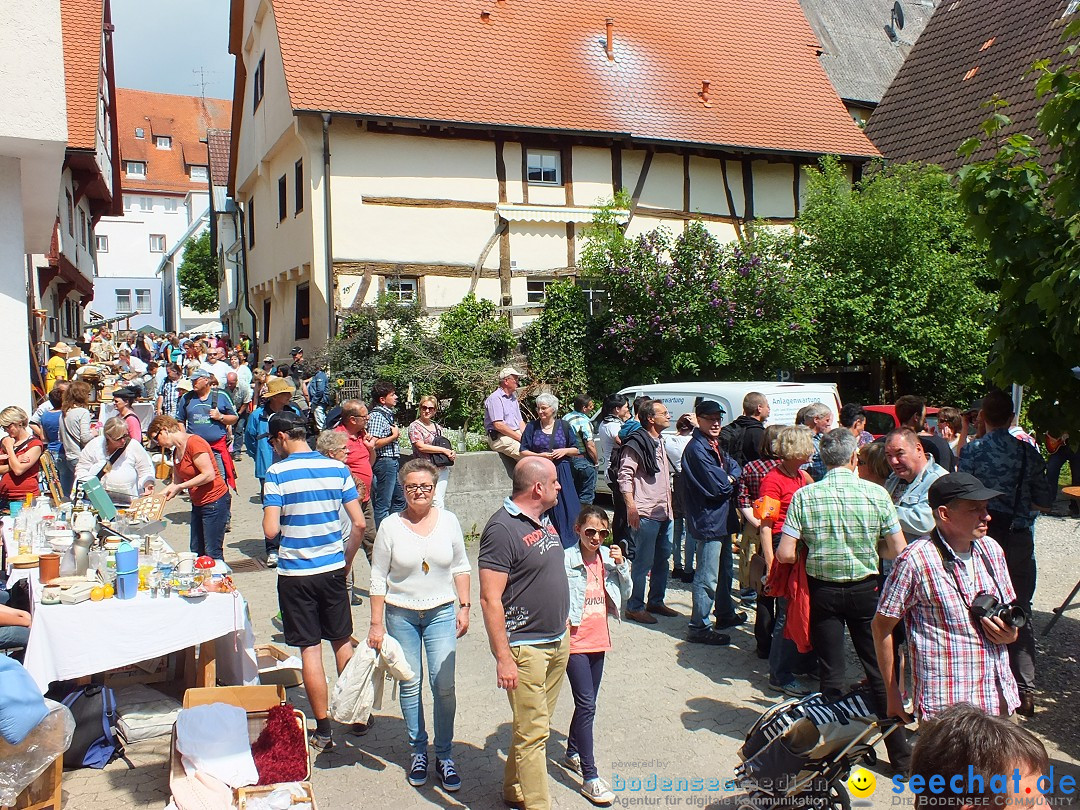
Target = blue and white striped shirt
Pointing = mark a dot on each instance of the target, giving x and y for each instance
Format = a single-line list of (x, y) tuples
[(310, 490)]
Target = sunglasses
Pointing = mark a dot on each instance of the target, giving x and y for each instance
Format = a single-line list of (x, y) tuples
[(427, 407), (603, 533)]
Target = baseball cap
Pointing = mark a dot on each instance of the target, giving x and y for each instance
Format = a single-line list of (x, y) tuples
[(201, 373), (295, 350), (283, 422), (959, 485), (709, 407), (183, 384), (268, 358), (510, 371)]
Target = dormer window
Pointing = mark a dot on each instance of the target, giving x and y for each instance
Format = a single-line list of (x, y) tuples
[(163, 142), (198, 173), (135, 168)]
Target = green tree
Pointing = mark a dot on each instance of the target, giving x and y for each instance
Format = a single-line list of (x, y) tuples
[(197, 276), (901, 282), (1031, 222), (557, 344)]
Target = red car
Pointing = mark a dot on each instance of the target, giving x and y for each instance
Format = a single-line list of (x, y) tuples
[(880, 419)]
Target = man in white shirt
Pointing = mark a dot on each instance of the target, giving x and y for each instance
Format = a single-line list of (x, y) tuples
[(216, 365)]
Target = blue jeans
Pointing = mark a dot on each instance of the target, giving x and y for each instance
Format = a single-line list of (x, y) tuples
[(712, 583), (208, 527), (584, 671), (436, 631), (584, 472), (386, 494), (683, 546), (1058, 460), (13, 637), (783, 653), (65, 470), (652, 550)]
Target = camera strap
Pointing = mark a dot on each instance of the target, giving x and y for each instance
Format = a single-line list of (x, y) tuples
[(949, 561)]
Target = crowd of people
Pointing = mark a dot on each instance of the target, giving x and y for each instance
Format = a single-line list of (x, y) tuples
[(916, 546)]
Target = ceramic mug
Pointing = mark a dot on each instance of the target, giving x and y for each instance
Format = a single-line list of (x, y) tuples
[(186, 564)]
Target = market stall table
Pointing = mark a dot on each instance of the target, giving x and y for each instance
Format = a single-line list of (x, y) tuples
[(72, 641)]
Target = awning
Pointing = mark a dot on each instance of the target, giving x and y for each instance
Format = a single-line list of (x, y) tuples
[(552, 213)]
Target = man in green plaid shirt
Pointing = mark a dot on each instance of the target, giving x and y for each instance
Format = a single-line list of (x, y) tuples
[(840, 522)]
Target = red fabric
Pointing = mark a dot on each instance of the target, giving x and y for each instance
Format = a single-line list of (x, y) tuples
[(222, 447), (779, 485), (186, 469), (788, 580), (358, 459), (280, 752), (16, 487)]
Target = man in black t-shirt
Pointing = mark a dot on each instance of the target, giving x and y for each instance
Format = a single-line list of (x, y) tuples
[(526, 602)]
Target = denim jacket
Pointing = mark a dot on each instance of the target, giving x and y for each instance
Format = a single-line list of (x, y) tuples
[(616, 583)]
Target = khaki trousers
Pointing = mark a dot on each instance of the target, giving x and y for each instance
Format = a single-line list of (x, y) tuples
[(540, 675), (511, 448), (748, 547)]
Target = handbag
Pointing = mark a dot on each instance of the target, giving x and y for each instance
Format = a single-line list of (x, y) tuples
[(442, 459)]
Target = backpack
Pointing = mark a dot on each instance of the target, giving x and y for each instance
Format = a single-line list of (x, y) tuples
[(94, 743), (733, 440)]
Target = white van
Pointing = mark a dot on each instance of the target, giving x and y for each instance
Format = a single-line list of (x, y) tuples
[(785, 400)]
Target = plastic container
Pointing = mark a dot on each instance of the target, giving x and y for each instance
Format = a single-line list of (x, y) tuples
[(48, 567), (127, 571), (99, 498)]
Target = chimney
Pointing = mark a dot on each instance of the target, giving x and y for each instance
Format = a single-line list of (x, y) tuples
[(485, 16), (609, 23), (704, 92)]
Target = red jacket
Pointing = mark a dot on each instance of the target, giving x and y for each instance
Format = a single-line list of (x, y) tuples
[(788, 580)]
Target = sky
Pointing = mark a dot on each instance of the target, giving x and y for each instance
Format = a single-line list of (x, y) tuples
[(160, 45)]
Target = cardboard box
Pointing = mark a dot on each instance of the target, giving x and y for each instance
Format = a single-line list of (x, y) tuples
[(271, 671), (255, 700), (245, 793), (153, 670)]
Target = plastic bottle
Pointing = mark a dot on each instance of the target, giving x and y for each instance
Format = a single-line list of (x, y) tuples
[(22, 538), (127, 571)]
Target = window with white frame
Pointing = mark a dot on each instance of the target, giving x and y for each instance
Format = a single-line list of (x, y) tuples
[(84, 231), (135, 168), (140, 133), (142, 300), (170, 205), (403, 290), (123, 302), (129, 202), (146, 203), (157, 243), (163, 142), (101, 243), (544, 166), (595, 295), (536, 289), (198, 173)]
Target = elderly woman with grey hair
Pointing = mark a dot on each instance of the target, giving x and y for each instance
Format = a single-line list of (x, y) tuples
[(553, 439)]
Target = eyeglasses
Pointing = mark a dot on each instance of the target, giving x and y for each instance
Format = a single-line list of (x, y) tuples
[(413, 488), (604, 533), (427, 407)]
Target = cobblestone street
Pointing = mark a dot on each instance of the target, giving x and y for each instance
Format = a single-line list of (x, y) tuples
[(666, 707)]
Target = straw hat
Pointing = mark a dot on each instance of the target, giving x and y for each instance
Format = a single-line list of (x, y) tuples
[(61, 348), (278, 385)]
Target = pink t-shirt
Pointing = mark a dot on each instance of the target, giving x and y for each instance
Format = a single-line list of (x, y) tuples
[(592, 634)]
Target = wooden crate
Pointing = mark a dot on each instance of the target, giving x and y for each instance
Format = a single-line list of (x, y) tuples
[(45, 792), (245, 793)]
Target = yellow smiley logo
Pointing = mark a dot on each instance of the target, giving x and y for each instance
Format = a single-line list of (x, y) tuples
[(861, 783)]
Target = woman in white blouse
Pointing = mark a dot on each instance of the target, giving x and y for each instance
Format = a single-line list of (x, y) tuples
[(129, 473), (418, 569)]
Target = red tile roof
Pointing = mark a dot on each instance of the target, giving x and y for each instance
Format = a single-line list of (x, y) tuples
[(81, 26), (541, 64), (185, 119), (218, 141), (968, 52)]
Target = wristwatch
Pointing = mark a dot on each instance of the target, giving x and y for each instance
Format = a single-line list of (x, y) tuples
[(465, 604)]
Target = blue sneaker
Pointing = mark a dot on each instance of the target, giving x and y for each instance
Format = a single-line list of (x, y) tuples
[(418, 770), (448, 774)]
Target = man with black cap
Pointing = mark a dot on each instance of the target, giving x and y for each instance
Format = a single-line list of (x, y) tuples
[(960, 655), (710, 475), (304, 494)]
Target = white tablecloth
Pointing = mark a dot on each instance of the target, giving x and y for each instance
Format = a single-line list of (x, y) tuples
[(144, 410), (69, 641)]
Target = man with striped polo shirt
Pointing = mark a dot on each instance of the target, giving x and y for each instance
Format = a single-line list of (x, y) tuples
[(304, 494)]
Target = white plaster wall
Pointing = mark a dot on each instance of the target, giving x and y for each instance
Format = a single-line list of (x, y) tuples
[(546, 195), (643, 224), (707, 186), (14, 364), (664, 185), (723, 231), (537, 245), (592, 175), (734, 173), (259, 131), (512, 159), (129, 236), (414, 166), (33, 127), (774, 190), (446, 291)]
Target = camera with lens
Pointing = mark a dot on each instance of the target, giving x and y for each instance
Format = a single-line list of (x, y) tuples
[(986, 606)]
